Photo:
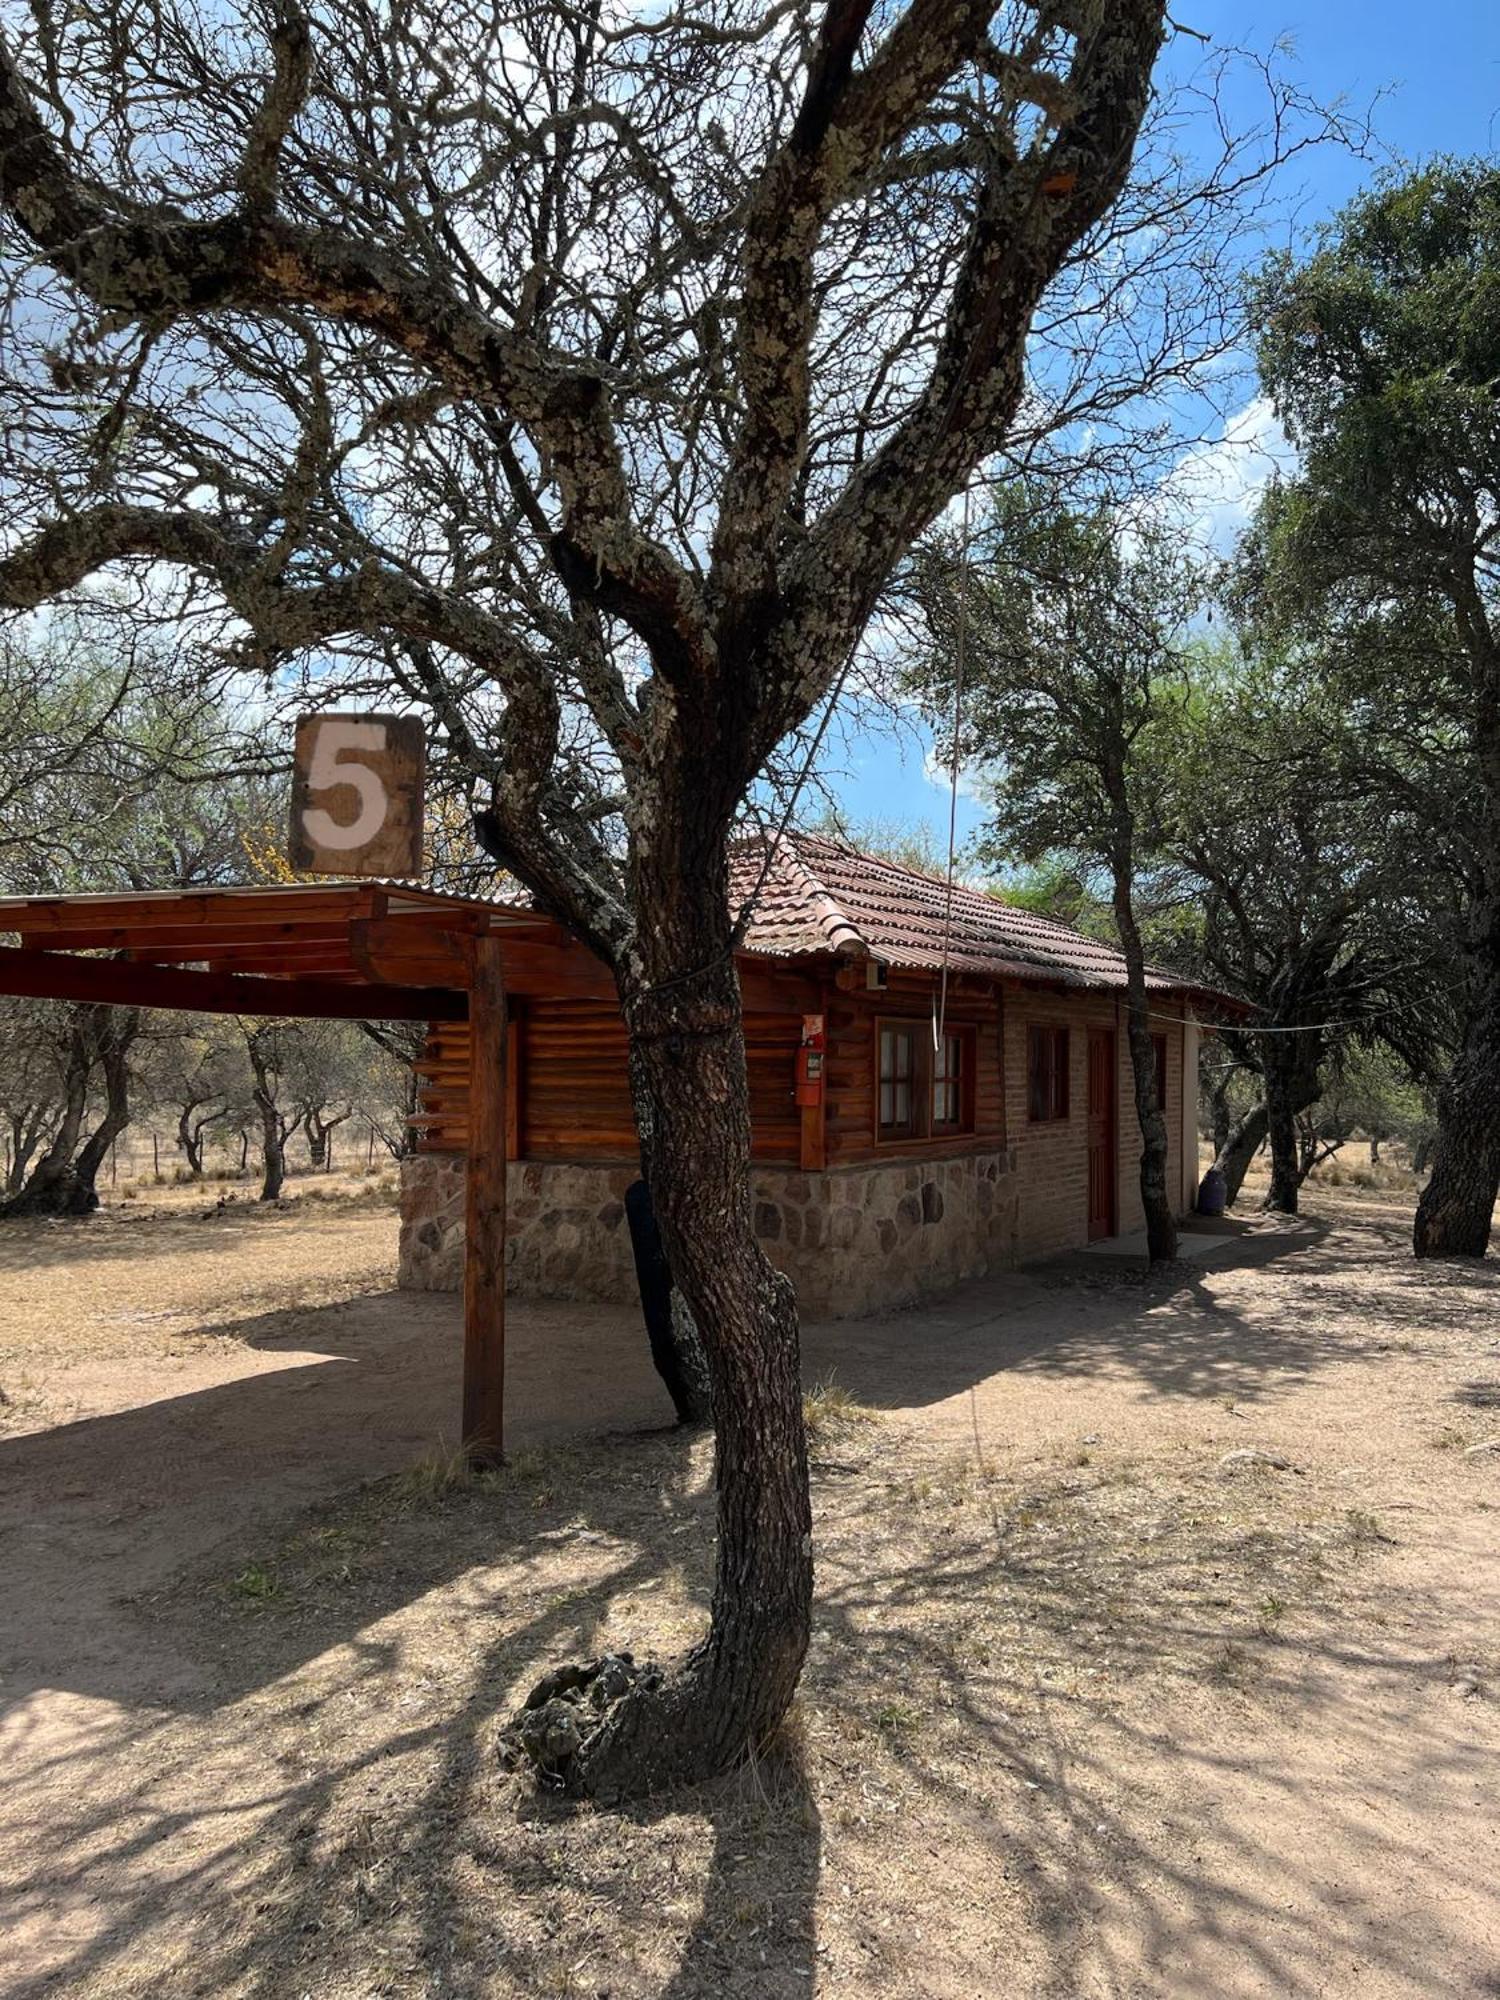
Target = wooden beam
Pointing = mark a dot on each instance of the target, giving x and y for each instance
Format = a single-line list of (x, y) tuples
[(293, 956), (52, 975), (514, 1058), (484, 1212), (161, 934), (767, 989), (555, 971), (207, 907), (182, 940), (386, 948)]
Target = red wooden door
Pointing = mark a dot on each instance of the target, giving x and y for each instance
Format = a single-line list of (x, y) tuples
[(1102, 1149)]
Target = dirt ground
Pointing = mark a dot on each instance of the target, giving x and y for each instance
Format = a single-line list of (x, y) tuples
[(1088, 1712)]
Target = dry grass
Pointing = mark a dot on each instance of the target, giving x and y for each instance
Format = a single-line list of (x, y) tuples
[(1086, 1714), (830, 1412), (958, 1610)]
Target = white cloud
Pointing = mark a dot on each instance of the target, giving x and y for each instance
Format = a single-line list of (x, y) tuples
[(975, 781), (1219, 484)]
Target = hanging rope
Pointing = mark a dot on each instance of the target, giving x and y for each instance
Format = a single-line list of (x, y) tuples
[(960, 655)]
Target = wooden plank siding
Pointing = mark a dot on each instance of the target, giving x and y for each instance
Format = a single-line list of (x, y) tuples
[(572, 1091), (851, 1114), (571, 1099)]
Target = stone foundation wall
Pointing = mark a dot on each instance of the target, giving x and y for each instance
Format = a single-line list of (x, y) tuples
[(855, 1240), (566, 1234)]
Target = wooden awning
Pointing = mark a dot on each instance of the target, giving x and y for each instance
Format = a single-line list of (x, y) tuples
[(320, 950), (350, 950)]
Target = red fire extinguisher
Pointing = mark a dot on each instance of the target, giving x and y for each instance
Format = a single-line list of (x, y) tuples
[(810, 1061)]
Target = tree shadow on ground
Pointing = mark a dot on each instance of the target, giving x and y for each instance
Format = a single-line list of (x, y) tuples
[(304, 1788), (1150, 1846), (357, 1806), (1175, 1331), (118, 1504), (97, 1517)]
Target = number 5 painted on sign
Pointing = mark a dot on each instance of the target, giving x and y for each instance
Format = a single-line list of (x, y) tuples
[(357, 795)]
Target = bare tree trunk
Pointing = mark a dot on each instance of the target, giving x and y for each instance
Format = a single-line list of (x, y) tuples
[(273, 1148), (120, 1027), (687, 1047), (48, 1189), (1156, 1201), (1222, 1120), (262, 1046), (1281, 1126), (677, 1350), (1291, 1066), (687, 1054), (190, 1139), (320, 1133), (1238, 1149), (26, 1128), (1457, 1206)]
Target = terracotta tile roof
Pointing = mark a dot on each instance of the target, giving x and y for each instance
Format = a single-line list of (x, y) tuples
[(821, 896)]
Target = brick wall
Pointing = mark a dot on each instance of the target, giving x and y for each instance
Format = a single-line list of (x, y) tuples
[(1052, 1158)]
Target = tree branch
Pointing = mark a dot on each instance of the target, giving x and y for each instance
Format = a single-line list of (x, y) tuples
[(291, 49), (156, 263)]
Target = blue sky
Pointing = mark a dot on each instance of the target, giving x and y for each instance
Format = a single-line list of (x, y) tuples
[(1439, 67)]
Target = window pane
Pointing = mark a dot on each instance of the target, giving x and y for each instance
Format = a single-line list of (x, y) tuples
[(900, 1077)]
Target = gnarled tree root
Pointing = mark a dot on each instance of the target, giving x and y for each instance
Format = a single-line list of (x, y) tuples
[(609, 1730), (565, 1716)]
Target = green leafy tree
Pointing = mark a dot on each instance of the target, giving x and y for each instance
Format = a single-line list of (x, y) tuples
[(1369, 1093), (1067, 624), (1381, 353), (194, 1069), (1307, 889), (116, 773)]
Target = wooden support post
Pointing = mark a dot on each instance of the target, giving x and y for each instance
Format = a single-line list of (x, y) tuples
[(484, 1212)]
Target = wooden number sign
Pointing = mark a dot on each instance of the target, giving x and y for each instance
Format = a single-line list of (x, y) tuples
[(357, 795)]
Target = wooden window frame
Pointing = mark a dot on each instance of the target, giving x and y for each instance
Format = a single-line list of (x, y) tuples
[(1049, 1090), (924, 1129), (962, 1123)]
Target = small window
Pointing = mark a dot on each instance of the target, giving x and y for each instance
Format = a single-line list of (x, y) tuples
[(1047, 1074), (949, 1081), (898, 1066), (1159, 1045), (924, 1092)]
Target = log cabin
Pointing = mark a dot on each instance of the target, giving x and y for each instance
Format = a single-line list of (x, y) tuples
[(935, 1092)]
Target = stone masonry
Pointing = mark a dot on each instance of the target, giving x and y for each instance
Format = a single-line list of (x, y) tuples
[(854, 1240)]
